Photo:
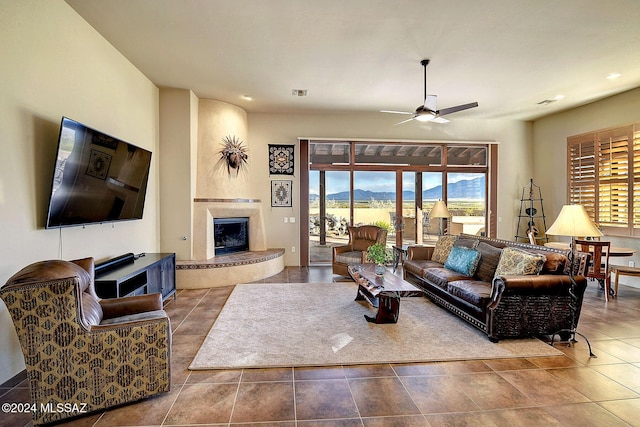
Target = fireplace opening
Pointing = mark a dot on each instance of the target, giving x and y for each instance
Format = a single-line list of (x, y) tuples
[(230, 235)]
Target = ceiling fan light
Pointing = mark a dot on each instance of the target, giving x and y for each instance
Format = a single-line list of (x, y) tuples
[(424, 117)]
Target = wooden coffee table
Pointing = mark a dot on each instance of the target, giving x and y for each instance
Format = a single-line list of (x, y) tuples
[(381, 292)]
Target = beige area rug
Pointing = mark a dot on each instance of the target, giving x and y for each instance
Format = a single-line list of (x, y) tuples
[(301, 324)]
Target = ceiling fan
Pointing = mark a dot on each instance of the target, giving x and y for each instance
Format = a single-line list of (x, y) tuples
[(429, 111)]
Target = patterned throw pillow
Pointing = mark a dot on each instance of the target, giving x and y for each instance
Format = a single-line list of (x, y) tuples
[(514, 261), (463, 260), (442, 249)]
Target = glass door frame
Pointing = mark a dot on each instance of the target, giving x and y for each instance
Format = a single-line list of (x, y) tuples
[(489, 170)]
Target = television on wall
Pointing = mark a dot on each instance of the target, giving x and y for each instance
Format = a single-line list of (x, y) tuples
[(97, 178)]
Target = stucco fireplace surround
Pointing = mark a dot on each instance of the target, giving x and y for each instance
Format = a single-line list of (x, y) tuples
[(209, 269), (218, 191)]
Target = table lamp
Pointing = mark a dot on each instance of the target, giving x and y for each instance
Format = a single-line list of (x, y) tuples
[(440, 211), (573, 221)]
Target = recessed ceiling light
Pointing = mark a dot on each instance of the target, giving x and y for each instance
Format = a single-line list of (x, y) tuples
[(613, 76), (299, 92), (247, 98)]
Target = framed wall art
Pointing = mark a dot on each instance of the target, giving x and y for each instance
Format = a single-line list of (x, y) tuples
[(281, 159), (281, 193)]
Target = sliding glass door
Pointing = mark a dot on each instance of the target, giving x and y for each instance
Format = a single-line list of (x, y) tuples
[(374, 199), (329, 212), (395, 186), (467, 202)]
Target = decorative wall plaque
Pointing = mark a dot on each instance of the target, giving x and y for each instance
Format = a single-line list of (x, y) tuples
[(281, 193), (281, 159), (233, 153)]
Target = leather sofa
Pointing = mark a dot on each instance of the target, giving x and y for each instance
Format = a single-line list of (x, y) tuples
[(501, 305), (81, 351)]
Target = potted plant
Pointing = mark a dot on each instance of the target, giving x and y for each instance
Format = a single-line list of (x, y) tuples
[(378, 254)]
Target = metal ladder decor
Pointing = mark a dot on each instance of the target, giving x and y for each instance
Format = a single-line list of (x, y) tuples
[(532, 225)]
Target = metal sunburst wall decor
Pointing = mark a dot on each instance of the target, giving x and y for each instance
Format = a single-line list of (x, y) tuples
[(233, 153)]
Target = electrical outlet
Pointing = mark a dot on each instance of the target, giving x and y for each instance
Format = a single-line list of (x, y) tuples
[(632, 263), (286, 220), (292, 219), (293, 249)]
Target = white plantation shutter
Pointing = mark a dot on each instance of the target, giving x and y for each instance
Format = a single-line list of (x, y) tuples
[(604, 177), (582, 173), (635, 178), (613, 178)]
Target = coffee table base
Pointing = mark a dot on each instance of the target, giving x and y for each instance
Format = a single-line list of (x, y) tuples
[(383, 292), (388, 306)]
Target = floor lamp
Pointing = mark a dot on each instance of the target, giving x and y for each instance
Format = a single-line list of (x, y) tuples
[(573, 221), (440, 211)]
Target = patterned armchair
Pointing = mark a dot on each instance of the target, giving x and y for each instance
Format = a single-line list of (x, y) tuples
[(355, 252), (82, 352)]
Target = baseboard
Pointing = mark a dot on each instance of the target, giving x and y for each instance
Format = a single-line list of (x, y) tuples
[(17, 379)]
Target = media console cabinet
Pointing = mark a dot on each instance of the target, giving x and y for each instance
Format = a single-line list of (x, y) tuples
[(128, 275)]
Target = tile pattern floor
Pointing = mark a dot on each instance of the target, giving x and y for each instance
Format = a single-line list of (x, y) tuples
[(568, 390)]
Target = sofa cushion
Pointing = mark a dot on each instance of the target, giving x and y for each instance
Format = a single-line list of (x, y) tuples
[(441, 276), (136, 317), (489, 258), (463, 260), (418, 266), (354, 257), (515, 261), (466, 242), (442, 248), (474, 292), (554, 263)]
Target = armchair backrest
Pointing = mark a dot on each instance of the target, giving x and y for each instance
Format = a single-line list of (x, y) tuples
[(360, 238), (89, 312)]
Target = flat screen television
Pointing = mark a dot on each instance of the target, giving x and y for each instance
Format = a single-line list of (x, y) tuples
[(97, 178)]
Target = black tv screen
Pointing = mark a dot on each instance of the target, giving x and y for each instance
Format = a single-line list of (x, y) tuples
[(97, 178)]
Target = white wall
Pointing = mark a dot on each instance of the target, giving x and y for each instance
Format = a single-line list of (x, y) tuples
[(179, 147), (550, 153), (514, 158), (55, 64)]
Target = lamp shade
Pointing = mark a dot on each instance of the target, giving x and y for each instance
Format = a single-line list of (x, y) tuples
[(439, 210), (574, 221)]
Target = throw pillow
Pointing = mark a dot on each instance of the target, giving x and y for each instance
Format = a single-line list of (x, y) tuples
[(442, 249), (514, 261), (463, 260), (489, 259), (467, 242)]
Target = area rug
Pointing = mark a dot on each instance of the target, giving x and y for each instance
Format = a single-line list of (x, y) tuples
[(302, 324)]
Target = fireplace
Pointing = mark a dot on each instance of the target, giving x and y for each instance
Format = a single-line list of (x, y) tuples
[(230, 235)]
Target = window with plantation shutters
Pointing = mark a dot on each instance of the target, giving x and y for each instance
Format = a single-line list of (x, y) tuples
[(582, 172), (604, 177)]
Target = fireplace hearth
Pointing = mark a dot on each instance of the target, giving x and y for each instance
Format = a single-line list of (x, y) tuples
[(230, 235)]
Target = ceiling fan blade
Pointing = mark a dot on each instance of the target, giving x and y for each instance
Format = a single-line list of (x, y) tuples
[(395, 112), (404, 121), (431, 103), (457, 108)]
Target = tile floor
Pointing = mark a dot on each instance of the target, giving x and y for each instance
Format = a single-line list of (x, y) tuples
[(569, 390)]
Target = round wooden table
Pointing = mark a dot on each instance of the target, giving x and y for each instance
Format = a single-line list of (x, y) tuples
[(615, 250)]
